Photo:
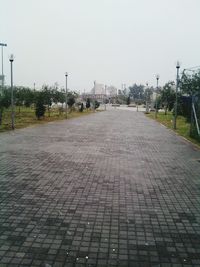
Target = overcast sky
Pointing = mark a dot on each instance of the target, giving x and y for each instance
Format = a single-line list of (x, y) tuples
[(110, 41)]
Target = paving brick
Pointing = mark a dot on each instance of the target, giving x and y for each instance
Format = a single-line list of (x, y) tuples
[(110, 189)]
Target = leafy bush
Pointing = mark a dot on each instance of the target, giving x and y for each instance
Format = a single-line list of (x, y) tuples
[(40, 108), (81, 107), (88, 103), (96, 104), (128, 101)]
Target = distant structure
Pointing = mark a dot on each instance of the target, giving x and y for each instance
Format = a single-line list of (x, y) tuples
[(101, 92), (111, 91), (98, 89)]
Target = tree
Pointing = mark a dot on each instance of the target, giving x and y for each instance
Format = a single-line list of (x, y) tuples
[(168, 96), (148, 93), (71, 96), (61, 97), (5, 101), (137, 92), (88, 103), (96, 104), (81, 107), (47, 95), (122, 96), (19, 97), (40, 107), (128, 101), (190, 83)]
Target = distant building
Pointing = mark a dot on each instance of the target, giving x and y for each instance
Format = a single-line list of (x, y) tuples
[(101, 92), (111, 91), (98, 89)]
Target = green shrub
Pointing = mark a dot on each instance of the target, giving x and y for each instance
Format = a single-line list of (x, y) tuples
[(40, 108)]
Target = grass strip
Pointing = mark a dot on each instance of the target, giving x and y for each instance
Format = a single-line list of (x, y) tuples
[(26, 117), (183, 127)]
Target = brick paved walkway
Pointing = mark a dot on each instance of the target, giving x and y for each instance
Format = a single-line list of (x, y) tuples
[(108, 189)]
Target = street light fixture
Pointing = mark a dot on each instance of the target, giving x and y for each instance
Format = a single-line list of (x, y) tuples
[(11, 59), (94, 95), (147, 97), (105, 99), (2, 77), (157, 79), (177, 84), (66, 74)]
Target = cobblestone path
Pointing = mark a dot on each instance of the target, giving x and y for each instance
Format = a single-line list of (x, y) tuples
[(109, 189)]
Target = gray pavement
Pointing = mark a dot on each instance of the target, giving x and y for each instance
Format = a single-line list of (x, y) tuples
[(109, 189)]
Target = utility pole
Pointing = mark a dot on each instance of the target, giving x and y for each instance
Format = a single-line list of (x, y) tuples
[(157, 79), (12, 100), (2, 76), (105, 96), (66, 75), (176, 102), (147, 98), (94, 95)]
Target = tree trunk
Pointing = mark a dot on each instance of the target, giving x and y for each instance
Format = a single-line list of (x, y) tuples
[(1, 113)]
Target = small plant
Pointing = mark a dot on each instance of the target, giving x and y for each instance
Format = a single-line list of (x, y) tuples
[(88, 103), (81, 107), (70, 102), (96, 104), (40, 108), (128, 101)]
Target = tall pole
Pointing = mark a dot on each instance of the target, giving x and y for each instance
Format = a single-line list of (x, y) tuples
[(176, 102), (66, 74), (157, 79), (105, 96), (94, 94), (12, 100), (147, 98), (2, 45), (2, 66)]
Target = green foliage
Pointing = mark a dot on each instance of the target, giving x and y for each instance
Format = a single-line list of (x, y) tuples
[(128, 100), (40, 105), (59, 96), (24, 96), (122, 96), (71, 99), (5, 101), (88, 103), (190, 83), (148, 93), (5, 98), (136, 91), (96, 104), (159, 103), (81, 107), (168, 96)]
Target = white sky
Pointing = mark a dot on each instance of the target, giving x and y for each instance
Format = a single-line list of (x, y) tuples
[(110, 41)]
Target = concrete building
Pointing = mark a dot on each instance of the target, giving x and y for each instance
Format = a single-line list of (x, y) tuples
[(98, 89), (111, 91)]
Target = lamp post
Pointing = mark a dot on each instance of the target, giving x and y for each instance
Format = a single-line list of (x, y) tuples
[(2, 77), (12, 100), (157, 79), (66, 74), (105, 96), (176, 102), (147, 98), (94, 95)]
